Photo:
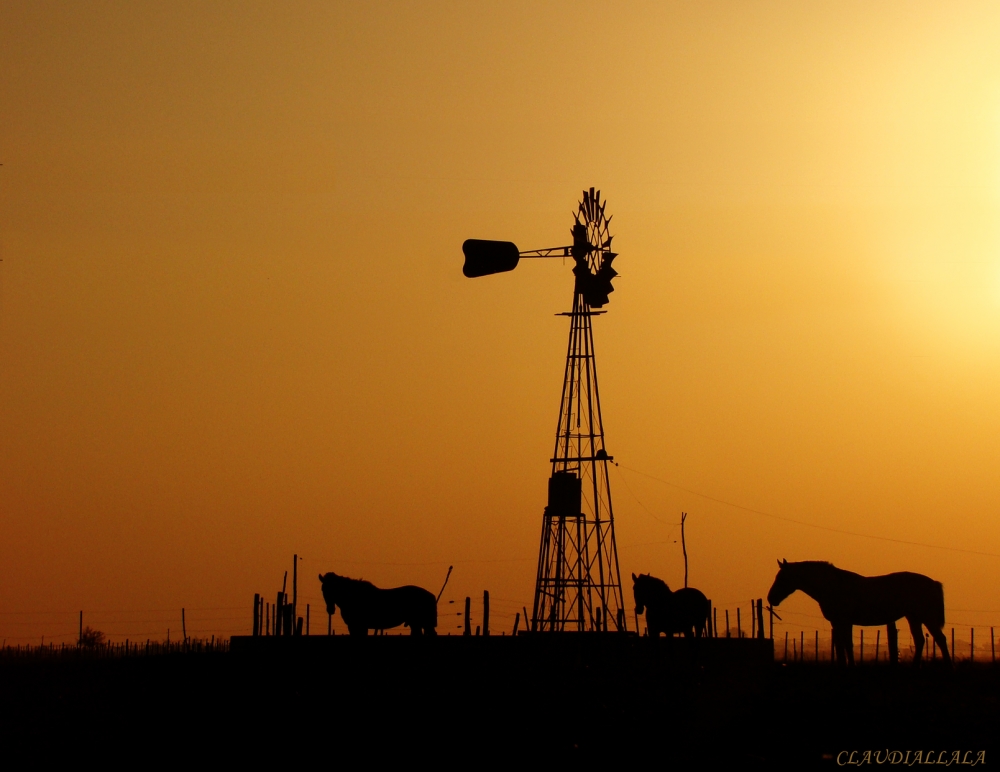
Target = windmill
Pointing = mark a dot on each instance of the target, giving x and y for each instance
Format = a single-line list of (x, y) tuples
[(578, 585)]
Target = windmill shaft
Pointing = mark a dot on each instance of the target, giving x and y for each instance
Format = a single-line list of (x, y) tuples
[(578, 585)]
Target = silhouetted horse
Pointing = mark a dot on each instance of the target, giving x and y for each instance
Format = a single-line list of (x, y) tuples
[(848, 599), (366, 607), (685, 611)]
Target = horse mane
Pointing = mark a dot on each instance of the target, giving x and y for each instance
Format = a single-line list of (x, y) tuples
[(655, 581), (824, 566), (356, 583)]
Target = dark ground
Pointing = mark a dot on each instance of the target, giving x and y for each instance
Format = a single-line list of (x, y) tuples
[(495, 701)]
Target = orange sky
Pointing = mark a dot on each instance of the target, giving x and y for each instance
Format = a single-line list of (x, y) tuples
[(233, 323)]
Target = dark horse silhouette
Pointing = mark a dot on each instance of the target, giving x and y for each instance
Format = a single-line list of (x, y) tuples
[(366, 607), (685, 611), (847, 599)]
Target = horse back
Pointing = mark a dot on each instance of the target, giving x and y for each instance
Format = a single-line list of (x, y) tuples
[(391, 607), (879, 600)]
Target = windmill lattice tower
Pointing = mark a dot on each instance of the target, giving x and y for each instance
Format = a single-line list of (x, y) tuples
[(578, 583)]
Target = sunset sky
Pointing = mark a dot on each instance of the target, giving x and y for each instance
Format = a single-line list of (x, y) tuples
[(234, 326)]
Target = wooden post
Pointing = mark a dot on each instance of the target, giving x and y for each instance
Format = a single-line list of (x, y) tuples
[(256, 614), (184, 629), (307, 619), (753, 619), (861, 659), (329, 624), (525, 610), (878, 640), (279, 611), (785, 658), (517, 622), (468, 620), (760, 618), (993, 648), (771, 621), (267, 619), (972, 644), (477, 630), (635, 611), (79, 641), (739, 625), (295, 585), (715, 622), (802, 645), (486, 612), (952, 644), (684, 547), (727, 623)]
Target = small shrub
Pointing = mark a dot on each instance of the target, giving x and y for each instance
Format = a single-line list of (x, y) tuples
[(91, 638)]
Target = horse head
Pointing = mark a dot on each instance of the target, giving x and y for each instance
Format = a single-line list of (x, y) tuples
[(646, 588), (639, 594), (785, 583), (329, 584)]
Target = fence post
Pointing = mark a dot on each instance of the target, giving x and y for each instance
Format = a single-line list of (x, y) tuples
[(760, 618), (256, 614), (486, 612), (80, 639), (739, 625), (184, 629), (727, 623), (517, 622), (878, 640), (771, 621), (279, 612), (972, 644), (635, 612), (785, 658), (715, 622), (802, 645), (468, 621), (329, 624), (307, 619), (952, 643), (861, 659), (993, 648)]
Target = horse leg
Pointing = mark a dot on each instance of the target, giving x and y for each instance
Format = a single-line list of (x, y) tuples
[(893, 639), (844, 637), (938, 635), (918, 639)]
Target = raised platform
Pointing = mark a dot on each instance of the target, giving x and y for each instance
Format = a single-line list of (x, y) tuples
[(577, 648)]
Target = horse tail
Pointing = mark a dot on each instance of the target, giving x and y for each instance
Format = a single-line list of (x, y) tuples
[(936, 612)]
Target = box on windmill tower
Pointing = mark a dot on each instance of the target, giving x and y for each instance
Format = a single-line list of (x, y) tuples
[(565, 495)]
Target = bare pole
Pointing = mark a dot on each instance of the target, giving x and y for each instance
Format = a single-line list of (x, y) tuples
[(684, 547)]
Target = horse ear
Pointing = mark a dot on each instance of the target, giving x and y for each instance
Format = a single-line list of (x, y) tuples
[(635, 578), (779, 564), (321, 578), (784, 562)]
